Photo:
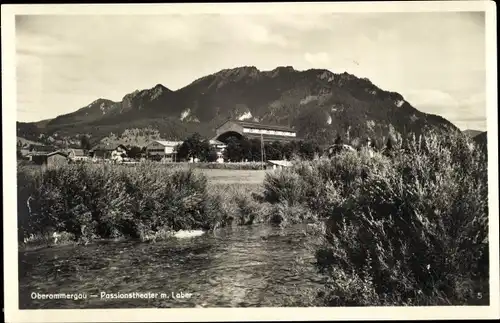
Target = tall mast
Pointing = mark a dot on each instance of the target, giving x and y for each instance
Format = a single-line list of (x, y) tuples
[(262, 150)]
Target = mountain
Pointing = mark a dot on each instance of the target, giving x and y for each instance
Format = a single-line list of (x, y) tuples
[(479, 137), (472, 133), (319, 104), (482, 140)]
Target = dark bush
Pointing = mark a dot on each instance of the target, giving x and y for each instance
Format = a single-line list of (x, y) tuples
[(106, 201)]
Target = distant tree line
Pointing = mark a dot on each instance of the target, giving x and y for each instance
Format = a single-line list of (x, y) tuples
[(244, 149)]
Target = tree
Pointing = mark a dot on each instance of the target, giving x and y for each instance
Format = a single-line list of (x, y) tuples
[(233, 149), (197, 147), (375, 144), (85, 143), (338, 140), (289, 150), (193, 147), (246, 149), (255, 148), (388, 151), (389, 144), (337, 146), (292, 149), (274, 150), (307, 149), (211, 155), (134, 152), (207, 152), (183, 151)]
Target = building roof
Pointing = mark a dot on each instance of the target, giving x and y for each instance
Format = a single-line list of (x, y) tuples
[(258, 125), (266, 137), (58, 152), (168, 143), (41, 148), (283, 163), (110, 147), (78, 152)]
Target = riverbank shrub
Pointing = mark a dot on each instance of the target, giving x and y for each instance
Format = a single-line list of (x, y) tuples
[(410, 228), (285, 214), (283, 186), (106, 201), (413, 230), (241, 202), (248, 211)]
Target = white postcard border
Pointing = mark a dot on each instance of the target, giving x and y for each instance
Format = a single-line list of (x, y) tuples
[(11, 291)]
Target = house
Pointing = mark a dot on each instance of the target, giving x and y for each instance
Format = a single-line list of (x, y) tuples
[(278, 164), (254, 130), (51, 159), (77, 155), (162, 150), (107, 151), (34, 150)]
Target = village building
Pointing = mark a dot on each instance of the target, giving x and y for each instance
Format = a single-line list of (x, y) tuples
[(162, 150), (34, 150), (107, 151), (254, 130), (55, 158), (77, 155)]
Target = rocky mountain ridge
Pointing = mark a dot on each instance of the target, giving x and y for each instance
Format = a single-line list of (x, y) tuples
[(318, 103)]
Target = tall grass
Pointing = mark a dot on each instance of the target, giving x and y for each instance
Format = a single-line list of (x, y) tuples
[(409, 229), (107, 201)]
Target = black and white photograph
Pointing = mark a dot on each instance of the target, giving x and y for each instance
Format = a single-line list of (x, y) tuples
[(319, 157)]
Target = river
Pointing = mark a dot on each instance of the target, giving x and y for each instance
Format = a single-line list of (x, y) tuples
[(252, 266)]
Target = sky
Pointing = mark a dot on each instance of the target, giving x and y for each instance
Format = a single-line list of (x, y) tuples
[(435, 60)]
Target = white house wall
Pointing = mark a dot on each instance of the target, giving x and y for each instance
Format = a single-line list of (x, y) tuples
[(169, 150)]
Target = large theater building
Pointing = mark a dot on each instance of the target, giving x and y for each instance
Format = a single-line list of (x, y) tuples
[(254, 130)]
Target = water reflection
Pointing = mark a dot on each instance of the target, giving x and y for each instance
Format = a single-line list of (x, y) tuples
[(244, 266)]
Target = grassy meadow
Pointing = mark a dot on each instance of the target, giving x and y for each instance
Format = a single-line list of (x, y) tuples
[(406, 227)]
